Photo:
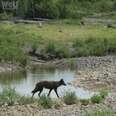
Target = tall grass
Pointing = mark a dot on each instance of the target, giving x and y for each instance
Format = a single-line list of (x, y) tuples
[(72, 41), (103, 93), (70, 98), (8, 96), (45, 101)]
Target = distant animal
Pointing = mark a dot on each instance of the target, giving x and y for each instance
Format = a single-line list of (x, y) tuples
[(51, 85), (82, 23), (109, 25)]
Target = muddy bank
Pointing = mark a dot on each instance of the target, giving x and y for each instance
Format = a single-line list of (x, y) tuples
[(72, 110), (78, 63)]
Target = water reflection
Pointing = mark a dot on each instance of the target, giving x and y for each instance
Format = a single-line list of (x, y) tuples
[(12, 77), (25, 81)]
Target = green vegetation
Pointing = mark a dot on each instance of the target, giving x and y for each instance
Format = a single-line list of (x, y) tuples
[(85, 101), (45, 101), (8, 96), (59, 40), (100, 112), (57, 104), (96, 99), (70, 98), (26, 100), (61, 8), (4, 16), (103, 93)]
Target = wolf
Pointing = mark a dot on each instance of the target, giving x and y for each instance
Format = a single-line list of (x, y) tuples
[(51, 85)]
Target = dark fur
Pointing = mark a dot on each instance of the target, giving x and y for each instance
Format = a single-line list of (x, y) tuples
[(51, 85)]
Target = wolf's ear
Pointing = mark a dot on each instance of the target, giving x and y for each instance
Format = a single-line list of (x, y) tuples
[(61, 80)]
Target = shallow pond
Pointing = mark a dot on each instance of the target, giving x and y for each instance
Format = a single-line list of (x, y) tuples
[(24, 81)]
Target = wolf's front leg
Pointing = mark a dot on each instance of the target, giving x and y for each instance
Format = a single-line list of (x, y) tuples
[(49, 92), (56, 92)]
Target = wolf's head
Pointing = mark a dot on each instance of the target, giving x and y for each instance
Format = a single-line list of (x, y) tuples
[(62, 82)]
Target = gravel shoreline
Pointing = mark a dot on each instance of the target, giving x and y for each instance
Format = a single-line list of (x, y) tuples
[(99, 73), (72, 110), (93, 73)]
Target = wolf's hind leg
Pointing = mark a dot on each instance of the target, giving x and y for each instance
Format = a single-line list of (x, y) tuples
[(40, 91)]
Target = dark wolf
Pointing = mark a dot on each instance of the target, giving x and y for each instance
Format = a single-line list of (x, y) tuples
[(51, 85)]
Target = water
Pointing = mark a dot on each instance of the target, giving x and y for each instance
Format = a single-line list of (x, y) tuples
[(24, 81)]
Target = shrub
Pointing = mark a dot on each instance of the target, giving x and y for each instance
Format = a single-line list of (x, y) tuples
[(70, 98), (96, 99), (8, 96), (51, 48), (13, 54), (103, 93), (4, 16), (45, 101), (57, 50), (85, 101)]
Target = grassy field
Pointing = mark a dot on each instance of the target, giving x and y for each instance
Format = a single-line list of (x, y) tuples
[(62, 39)]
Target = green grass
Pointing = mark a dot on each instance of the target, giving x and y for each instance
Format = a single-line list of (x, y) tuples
[(70, 98), (96, 99), (103, 93), (26, 100), (100, 112), (45, 101), (10, 97), (62, 40), (84, 101), (99, 98)]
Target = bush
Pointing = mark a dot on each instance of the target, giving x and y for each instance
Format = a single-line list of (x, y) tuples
[(8, 96), (13, 54), (92, 47), (70, 98), (4, 16), (85, 101), (57, 50), (103, 93), (45, 101), (96, 99), (50, 48)]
